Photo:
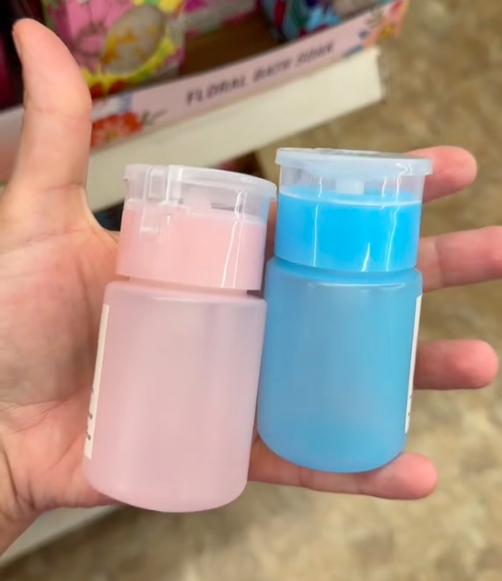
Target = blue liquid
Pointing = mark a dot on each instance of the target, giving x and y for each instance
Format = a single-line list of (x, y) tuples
[(371, 235), (338, 345)]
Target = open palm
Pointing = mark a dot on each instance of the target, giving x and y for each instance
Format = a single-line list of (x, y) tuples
[(55, 261)]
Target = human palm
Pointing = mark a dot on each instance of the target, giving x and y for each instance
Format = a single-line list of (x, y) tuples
[(55, 261)]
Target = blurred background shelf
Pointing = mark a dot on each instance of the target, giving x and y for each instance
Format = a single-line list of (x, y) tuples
[(241, 127), (244, 126), (51, 526), (235, 125)]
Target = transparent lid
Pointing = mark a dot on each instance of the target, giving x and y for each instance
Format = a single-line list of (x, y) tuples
[(355, 211), (194, 187), (331, 173), (367, 165), (194, 226)]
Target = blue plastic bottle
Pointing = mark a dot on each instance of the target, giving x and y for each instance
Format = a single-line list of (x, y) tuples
[(343, 300)]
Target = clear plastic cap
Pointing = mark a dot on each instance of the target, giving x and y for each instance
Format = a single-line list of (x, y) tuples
[(377, 177), (194, 226)]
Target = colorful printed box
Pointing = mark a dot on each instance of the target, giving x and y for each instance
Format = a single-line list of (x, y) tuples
[(208, 15), (296, 18), (119, 43), (127, 114)]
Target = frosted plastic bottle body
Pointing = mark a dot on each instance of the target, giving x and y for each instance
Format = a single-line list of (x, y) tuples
[(173, 402), (343, 304), (173, 422), (337, 369)]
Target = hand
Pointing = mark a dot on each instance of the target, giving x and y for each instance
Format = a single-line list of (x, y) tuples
[(55, 261)]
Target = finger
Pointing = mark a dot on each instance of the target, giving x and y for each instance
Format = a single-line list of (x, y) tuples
[(409, 477), (454, 169), (54, 149), (461, 258), (462, 364)]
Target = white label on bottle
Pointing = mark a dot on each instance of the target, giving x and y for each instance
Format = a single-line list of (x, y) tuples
[(93, 407), (413, 361)]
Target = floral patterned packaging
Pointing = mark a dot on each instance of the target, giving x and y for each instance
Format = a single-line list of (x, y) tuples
[(125, 115), (119, 43), (293, 19)]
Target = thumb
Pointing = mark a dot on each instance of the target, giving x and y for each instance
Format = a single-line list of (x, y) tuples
[(51, 168)]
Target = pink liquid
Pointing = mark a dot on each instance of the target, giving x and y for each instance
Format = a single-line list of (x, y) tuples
[(174, 397), (211, 250), (176, 401)]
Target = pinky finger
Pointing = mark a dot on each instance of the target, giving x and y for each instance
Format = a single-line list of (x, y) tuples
[(408, 477)]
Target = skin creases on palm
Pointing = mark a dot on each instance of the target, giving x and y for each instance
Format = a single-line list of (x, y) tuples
[(47, 356)]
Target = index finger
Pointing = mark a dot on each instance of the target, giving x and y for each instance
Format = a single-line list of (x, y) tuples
[(454, 169)]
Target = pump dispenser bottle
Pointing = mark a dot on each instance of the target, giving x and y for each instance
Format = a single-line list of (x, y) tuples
[(343, 300), (174, 396)]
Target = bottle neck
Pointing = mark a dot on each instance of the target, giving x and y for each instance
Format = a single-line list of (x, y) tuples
[(181, 288)]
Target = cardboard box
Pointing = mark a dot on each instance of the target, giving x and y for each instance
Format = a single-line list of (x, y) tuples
[(126, 114), (129, 113)]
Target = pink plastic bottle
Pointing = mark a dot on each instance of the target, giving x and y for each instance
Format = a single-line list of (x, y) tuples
[(174, 395)]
